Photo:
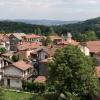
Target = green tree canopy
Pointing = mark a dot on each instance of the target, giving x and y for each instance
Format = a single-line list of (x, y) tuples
[(2, 50), (91, 35), (71, 72), (46, 41), (87, 36), (15, 58), (52, 32), (39, 31)]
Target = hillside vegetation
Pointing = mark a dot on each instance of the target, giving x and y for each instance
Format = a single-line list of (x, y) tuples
[(9, 26), (80, 27)]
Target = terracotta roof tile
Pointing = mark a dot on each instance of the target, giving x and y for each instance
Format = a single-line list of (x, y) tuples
[(31, 36), (3, 38), (94, 46), (50, 50), (27, 45), (73, 42), (18, 35), (23, 65), (40, 79)]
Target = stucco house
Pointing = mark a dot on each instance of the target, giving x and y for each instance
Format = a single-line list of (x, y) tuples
[(3, 62), (82, 46), (16, 72), (32, 38), (4, 42), (15, 38), (25, 49), (8, 54), (41, 57), (91, 48), (55, 39), (44, 52), (68, 40)]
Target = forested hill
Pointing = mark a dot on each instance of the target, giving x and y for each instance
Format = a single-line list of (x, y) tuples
[(88, 25), (9, 26)]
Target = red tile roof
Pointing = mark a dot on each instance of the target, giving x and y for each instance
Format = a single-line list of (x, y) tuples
[(3, 38), (40, 79), (27, 45), (94, 46), (22, 65), (73, 42), (31, 36), (50, 50)]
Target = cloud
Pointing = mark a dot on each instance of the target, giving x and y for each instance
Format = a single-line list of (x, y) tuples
[(49, 9)]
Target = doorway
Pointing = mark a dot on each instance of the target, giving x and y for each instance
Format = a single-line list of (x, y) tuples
[(8, 83)]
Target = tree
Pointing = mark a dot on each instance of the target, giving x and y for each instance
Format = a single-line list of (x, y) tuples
[(46, 41), (38, 31), (35, 31), (2, 50), (52, 32), (38, 97), (15, 58), (86, 36), (91, 35), (71, 72)]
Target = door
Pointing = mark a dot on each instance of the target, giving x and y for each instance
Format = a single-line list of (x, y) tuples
[(8, 83)]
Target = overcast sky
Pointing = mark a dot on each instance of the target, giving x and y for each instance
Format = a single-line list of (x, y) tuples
[(49, 9)]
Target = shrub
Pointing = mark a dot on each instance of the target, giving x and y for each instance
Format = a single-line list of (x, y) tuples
[(2, 50), (15, 58), (36, 87)]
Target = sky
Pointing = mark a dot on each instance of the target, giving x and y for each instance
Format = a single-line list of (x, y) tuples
[(67, 10)]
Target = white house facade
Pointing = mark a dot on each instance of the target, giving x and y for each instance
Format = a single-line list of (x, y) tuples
[(15, 73)]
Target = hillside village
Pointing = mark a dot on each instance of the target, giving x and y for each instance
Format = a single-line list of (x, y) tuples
[(25, 57)]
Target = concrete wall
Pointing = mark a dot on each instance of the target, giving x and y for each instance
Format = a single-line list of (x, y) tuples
[(14, 83), (42, 55), (5, 45), (2, 44), (28, 53), (12, 71), (5, 82), (43, 69), (13, 42), (0, 76), (97, 57), (85, 50), (1, 63)]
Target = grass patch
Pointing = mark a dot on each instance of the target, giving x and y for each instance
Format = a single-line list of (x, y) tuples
[(9, 95)]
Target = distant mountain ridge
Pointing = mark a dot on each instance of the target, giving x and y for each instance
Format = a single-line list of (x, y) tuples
[(91, 24), (45, 22), (59, 27), (81, 27)]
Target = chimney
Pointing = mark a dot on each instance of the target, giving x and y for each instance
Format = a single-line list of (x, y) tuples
[(62, 38), (69, 37)]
